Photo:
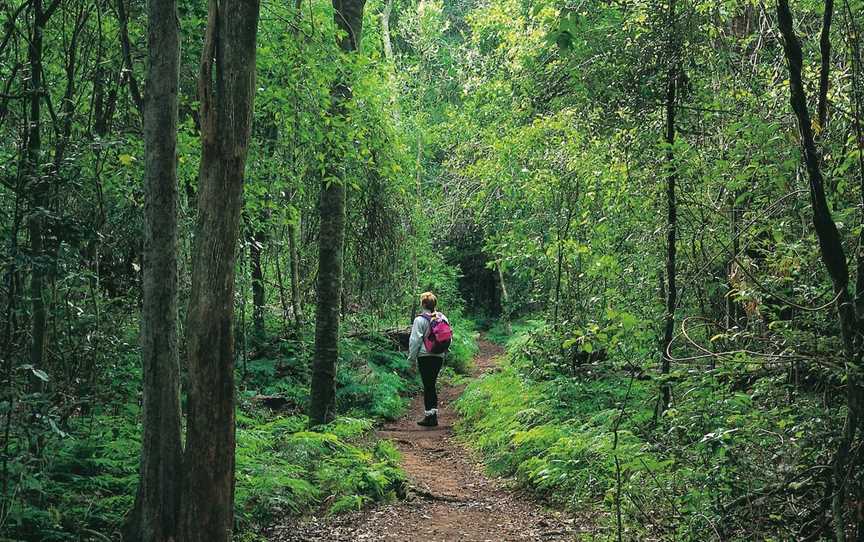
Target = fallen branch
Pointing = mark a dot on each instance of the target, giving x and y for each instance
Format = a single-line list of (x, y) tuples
[(429, 496)]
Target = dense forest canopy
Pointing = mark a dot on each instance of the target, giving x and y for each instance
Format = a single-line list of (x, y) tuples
[(208, 209)]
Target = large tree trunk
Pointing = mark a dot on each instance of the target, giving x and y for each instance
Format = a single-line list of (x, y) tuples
[(226, 90), (157, 504), (348, 15), (834, 259), (671, 210)]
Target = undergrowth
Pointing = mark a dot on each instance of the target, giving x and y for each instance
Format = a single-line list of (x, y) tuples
[(285, 469), (731, 460), (83, 480)]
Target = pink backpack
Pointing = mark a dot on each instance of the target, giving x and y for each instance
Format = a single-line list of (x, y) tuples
[(437, 340)]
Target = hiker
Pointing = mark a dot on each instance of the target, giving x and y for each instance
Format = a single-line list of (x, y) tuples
[(430, 339)]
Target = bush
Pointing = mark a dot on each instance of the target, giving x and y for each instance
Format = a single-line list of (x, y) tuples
[(374, 381), (464, 347), (284, 469), (681, 476), (87, 483), (87, 476)]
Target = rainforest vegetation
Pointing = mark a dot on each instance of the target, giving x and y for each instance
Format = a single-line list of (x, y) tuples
[(216, 219)]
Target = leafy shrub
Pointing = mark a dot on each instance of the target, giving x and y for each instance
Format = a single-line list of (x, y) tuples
[(520, 328), (284, 469), (555, 435), (464, 347), (86, 484), (377, 380)]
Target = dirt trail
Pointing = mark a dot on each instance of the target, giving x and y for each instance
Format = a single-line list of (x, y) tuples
[(450, 499)]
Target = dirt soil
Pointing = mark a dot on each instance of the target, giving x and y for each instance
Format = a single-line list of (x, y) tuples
[(449, 497)]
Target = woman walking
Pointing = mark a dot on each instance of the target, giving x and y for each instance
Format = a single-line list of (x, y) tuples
[(430, 338)]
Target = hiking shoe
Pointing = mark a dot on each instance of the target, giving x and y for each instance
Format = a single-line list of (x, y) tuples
[(430, 420)]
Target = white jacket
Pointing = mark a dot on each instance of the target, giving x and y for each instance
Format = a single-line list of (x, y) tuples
[(419, 331)]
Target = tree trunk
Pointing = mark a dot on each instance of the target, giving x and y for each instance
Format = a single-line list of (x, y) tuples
[(671, 216), (855, 54), (385, 30), (258, 297), (294, 224), (157, 505), (731, 304), (283, 298), (505, 305), (387, 43), (38, 189), (825, 49), (348, 16), (418, 212), (561, 236), (226, 89), (834, 259), (296, 304), (126, 50)]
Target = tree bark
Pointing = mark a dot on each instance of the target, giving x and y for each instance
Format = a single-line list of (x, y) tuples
[(834, 259), (671, 210), (731, 304), (295, 222), (348, 16), (157, 505), (226, 90), (283, 298)]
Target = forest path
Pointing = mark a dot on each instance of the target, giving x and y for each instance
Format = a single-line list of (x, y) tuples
[(450, 499)]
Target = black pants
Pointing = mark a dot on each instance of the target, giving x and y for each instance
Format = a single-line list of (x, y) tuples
[(429, 367)]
